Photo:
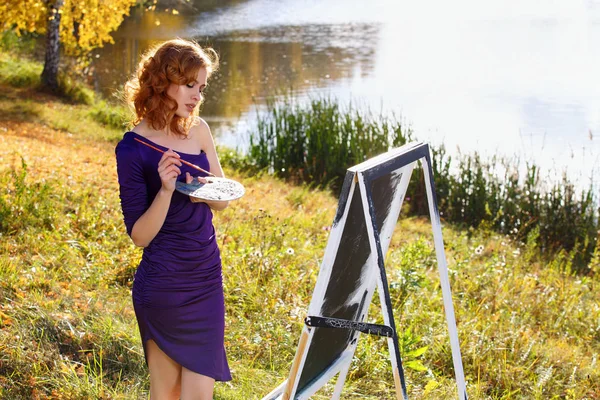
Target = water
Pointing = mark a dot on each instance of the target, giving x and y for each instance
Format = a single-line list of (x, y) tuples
[(516, 77)]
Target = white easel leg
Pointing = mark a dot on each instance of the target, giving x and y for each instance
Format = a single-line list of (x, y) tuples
[(445, 282)]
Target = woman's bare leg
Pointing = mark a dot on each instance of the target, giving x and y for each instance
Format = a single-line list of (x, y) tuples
[(195, 386), (165, 374)]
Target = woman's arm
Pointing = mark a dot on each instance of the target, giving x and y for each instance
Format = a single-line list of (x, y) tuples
[(147, 226)]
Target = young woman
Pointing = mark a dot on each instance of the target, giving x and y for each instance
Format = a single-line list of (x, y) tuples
[(177, 290)]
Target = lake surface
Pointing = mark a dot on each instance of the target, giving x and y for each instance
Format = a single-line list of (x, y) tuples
[(516, 77)]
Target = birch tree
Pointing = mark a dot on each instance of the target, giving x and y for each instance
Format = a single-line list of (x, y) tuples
[(78, 26)]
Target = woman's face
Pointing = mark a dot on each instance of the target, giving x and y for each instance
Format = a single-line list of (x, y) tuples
[(188, 96)]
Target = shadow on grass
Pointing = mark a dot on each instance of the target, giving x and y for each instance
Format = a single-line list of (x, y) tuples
[(22, 111)]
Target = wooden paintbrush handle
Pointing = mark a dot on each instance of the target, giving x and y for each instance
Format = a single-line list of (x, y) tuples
[(183, 161)]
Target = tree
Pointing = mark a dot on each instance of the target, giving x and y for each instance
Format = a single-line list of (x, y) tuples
[(50, 72), (78, 25)]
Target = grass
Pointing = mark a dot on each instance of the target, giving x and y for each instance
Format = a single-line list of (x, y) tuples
[(528, 326), (19, 73), (318, 141)]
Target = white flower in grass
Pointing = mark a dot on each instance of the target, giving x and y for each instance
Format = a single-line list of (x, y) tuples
[(289, 251), (257, 253), (479, 250)]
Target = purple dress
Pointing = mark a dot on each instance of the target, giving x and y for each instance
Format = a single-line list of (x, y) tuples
[(178, 287)]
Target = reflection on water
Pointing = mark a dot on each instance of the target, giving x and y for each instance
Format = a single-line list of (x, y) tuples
[(474, 75), (255, 64), (256, 67)]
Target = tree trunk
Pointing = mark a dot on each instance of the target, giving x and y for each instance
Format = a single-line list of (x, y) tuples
[(50, 72)]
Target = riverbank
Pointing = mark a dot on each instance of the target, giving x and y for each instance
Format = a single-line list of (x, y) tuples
[(528, 328)]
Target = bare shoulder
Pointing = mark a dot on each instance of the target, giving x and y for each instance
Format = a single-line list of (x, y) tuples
[(200, 126), (201, 132)]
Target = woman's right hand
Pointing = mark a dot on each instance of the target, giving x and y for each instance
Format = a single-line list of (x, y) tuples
[(168, 169)]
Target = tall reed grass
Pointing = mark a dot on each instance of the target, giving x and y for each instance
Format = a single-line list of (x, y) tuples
[(317, 142)]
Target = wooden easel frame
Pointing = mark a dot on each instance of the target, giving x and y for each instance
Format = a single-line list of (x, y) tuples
[(400, 161)]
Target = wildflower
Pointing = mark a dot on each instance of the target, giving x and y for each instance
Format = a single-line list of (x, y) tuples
[(290, 251), (544, 375), (479, 250), (296, 313)]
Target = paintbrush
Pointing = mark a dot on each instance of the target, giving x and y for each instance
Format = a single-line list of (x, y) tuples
[(183, 161)]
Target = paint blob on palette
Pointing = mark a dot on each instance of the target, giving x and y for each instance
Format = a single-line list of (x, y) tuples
[(215, 189)]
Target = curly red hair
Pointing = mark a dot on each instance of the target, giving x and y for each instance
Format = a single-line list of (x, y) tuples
[(173, 62)]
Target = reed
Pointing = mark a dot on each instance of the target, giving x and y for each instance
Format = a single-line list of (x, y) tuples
[(317, 142), (493, 194)]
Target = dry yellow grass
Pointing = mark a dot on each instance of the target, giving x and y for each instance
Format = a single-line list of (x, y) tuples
[(52, 154)]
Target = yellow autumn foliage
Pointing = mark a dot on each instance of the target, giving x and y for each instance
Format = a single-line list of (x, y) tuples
[(84, 24)]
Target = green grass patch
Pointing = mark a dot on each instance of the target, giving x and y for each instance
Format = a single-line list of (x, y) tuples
[(110, 115), (76, 119), (19, 72), (74, 90)]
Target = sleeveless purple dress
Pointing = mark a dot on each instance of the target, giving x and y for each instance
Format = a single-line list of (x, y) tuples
[(178, 287)]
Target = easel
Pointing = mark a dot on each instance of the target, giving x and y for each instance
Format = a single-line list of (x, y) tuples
[(353, 265)]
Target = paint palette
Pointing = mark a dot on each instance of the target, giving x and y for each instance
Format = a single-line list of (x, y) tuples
[(215, 189)]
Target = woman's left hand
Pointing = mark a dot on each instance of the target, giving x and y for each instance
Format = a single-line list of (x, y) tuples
[(189, 179)]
